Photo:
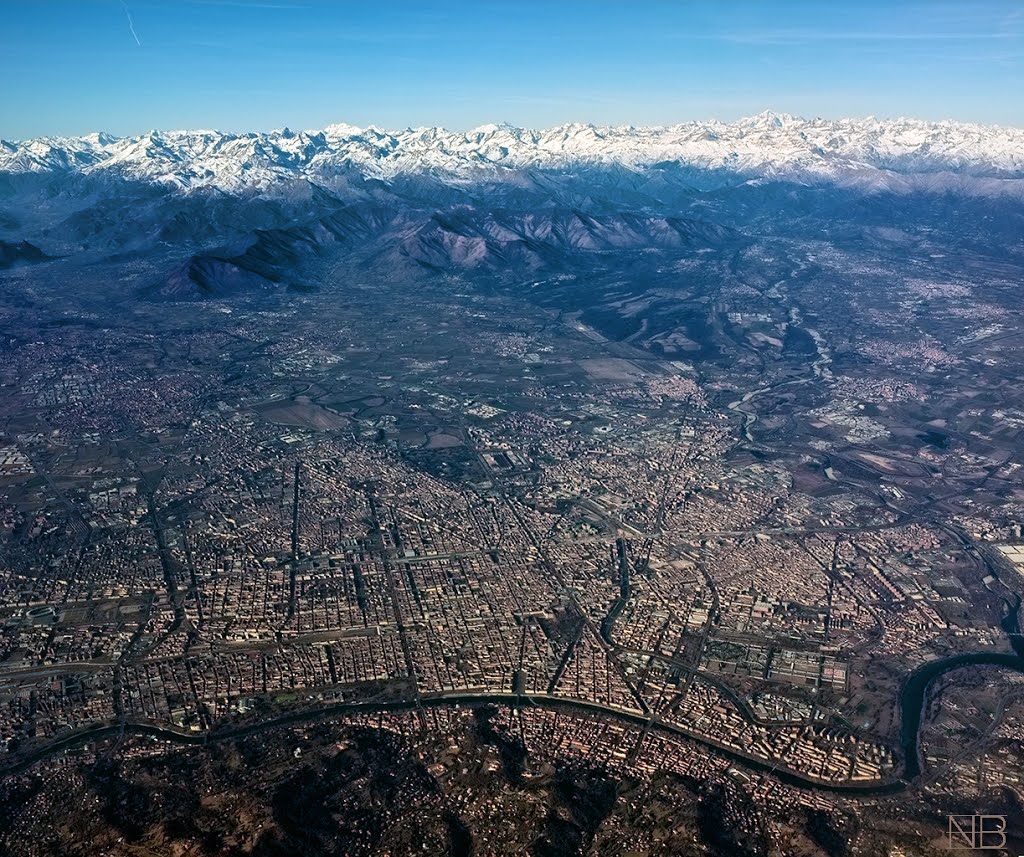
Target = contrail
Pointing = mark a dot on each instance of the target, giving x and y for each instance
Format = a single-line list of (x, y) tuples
[(131, 23)]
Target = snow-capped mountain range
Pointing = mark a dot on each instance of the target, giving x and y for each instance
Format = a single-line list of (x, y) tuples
[(767, 145)]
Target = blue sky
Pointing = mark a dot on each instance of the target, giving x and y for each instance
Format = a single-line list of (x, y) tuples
[(74, 66)]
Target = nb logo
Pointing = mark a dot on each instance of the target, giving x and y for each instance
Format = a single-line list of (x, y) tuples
[(977, 832)]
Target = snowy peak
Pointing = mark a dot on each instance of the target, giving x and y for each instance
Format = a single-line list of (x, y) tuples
[(769, 144)]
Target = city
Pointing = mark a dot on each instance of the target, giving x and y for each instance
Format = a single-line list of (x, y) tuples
[(268, 519)]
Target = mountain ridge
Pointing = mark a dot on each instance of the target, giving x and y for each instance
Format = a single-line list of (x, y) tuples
[(769, 145)]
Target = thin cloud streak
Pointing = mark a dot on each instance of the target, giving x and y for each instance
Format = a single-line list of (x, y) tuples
[(794, 37), (131, 23)]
